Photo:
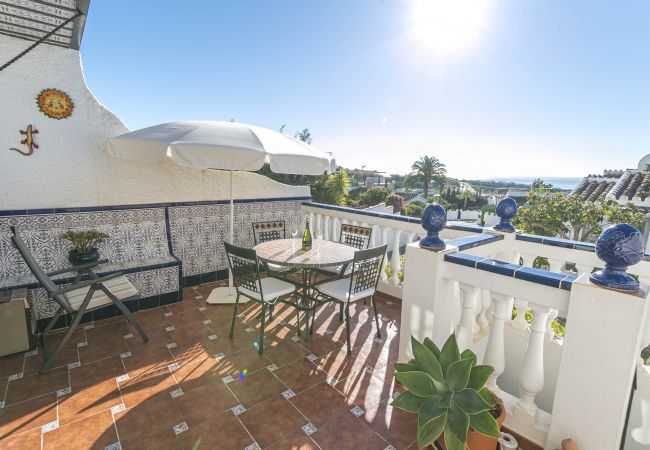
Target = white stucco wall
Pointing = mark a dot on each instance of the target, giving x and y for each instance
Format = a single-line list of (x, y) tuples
[(71, 168)]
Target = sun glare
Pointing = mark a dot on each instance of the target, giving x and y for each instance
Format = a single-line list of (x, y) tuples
[(445, 27)]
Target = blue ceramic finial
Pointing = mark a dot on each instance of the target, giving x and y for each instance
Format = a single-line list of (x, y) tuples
[(434, 219), (619, 246), (506, 210)]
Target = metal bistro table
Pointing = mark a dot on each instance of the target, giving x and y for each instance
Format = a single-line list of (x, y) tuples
[(323, 253)]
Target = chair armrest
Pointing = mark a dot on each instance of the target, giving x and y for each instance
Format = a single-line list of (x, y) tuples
[(86, 283), (78, 268)]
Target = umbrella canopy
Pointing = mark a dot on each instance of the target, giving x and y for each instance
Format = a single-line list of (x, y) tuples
[(221, 145)]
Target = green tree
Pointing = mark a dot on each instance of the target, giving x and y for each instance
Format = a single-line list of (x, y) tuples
[(373, 197), (429, 168), (396, 201), (337, 187), (304, 135), (570, 217), (414, 209)]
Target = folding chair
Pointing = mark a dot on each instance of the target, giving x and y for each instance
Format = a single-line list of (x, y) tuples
[(245, 268), (364, 276), (78, 298)]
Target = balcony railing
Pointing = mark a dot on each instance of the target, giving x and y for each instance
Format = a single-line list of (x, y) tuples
[(553, 387)]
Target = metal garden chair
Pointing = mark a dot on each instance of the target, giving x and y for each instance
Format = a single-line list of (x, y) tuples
[(78, 298), (362, 283), (354, 236), (245, 268), (271, 231)]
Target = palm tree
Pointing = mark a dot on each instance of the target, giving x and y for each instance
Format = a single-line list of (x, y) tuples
[(396, 201), (428, 168), (337, 186)]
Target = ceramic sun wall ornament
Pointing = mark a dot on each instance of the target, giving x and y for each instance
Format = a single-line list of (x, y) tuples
[(55, 104), (29, 133)]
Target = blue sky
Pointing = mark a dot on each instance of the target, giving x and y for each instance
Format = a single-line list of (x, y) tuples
[(538, 87)]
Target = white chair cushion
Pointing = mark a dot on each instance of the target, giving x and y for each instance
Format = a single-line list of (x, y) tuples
[(272, 288), (121, 287), (340, 290), (337, 270), (277, 267)]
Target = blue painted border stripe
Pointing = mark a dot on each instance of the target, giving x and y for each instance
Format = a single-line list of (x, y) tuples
[(25, 212)]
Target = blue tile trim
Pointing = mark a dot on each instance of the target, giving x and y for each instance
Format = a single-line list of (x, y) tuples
[(363, 212), (543, 277), (556, 242), (24, 212), (529, 238), (476, 240), (463, 259)]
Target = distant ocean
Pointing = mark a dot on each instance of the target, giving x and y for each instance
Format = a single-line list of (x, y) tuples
[(559, 182)]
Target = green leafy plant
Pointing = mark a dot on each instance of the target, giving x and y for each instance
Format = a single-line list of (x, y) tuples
[(446, 388), (84, 241)]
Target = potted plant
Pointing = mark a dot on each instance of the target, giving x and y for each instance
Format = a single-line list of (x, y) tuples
[(84, 245), (446, 388)]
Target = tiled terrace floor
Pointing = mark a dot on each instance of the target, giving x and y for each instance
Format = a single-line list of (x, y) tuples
[(186, 385)]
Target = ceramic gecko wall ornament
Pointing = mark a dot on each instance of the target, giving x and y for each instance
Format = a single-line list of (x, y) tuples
[(28, 141)]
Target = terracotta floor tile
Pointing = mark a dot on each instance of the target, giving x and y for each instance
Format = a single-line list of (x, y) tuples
[(67, 356), (321, 404), (148, 385), (234, 364), (148, 360), (338, 364), (366, 389), (256, 388), (272, 420), (96, 372), (348, 433), (297, 440), (158, 440), (89, 400), (205, 401), (26, 415), (28, 440), (301, 375), (112, 346), (30, 386), (223, 432), (285, 353), (195, 372), (108, 332), (396, 426), (155, 414), (321, 345), (93, 432), (11, 364)]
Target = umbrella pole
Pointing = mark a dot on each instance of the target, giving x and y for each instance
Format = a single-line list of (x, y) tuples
[(223, 295)]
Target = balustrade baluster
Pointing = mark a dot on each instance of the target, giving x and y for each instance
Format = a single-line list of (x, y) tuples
[(583, 268), (465, 330), (395, 257), (527, 260), (311, 223), (552, 315), (482, 318), (555, 265), (326, 227), (531, 376), (335, 226), (495, 352), (520, 322)]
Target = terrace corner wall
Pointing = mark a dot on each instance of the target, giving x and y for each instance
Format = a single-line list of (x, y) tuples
[(71, 167)]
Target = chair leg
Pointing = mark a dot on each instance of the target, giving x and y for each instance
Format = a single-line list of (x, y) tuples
[(341, 313), (261, 342), (298, 319), (374, 305), (73, 326), (46, 331), (234, 314), (347, 326)]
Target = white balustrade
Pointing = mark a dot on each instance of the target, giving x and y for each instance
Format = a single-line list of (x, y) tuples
[(465, 333), (495, 351)]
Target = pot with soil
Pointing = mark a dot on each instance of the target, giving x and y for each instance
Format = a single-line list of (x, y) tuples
[(84, 245), (446, 388)]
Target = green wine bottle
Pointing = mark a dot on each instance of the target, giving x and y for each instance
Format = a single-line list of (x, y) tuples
[(306, 237)]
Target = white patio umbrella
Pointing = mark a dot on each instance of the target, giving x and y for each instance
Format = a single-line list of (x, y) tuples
[(222, 146)]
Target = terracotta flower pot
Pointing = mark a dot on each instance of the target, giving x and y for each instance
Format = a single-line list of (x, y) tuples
[(476, 440)]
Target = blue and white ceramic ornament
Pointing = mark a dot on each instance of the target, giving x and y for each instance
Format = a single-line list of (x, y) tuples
[(619, 246), (434, 220), (506, 210)]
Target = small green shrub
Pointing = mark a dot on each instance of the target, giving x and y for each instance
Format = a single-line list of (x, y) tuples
[(84, 241), (447, 390)]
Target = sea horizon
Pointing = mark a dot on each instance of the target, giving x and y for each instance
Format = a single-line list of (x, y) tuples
[(558, 182)]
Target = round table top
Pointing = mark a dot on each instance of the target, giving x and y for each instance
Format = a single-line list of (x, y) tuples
[(288, 252)]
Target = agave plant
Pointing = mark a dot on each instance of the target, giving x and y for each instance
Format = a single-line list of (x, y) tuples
[(447, 390), (84, 241)]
